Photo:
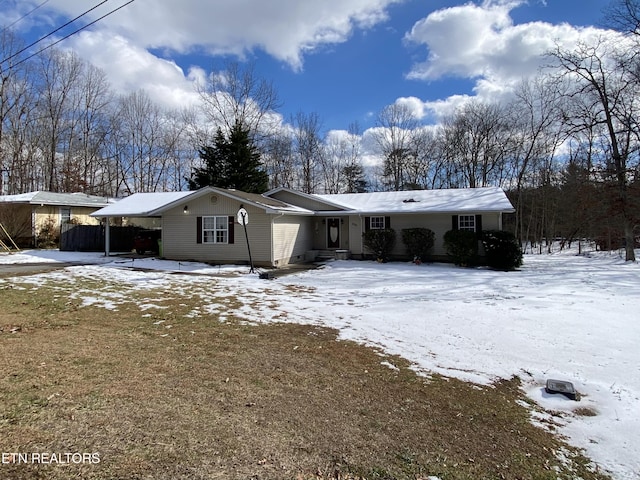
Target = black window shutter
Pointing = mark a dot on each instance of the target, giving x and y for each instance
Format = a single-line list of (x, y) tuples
[(231, 228), (454, 222), (367, 224), (479, 226), (387, 222), (199, 230)]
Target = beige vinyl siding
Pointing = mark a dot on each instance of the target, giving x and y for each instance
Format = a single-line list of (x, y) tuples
[(45, 213), (355, 229), (319, 233), (179, 233), (81, 215), (438, 223), (292, 238)]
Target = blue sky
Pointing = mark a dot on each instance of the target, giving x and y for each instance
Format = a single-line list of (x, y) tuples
[(344, 60), (354, 80)]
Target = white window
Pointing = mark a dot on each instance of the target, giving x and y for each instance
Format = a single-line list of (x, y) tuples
[(376, 223), (467, 222), (65, 215), (215, 230)]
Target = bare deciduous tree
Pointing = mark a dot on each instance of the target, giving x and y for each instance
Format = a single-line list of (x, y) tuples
[(353, 178), (86, 138), (58, 76), (536, 133), (279, 159), (423, 165), (624, 15), (476, 141), (145, 143), (13, 95), (341, 162), (236, 95), (394, 136), (612, 96), (308, 149)]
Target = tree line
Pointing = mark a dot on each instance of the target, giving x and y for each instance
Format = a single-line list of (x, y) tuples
[(565, 148)]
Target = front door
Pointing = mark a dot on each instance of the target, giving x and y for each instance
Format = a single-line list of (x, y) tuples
[(333, 233)]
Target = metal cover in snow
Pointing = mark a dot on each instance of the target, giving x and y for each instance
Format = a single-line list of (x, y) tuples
[(562, 387)]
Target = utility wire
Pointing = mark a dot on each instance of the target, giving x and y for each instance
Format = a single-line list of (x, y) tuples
[(72, 33), (25, 15), (56, 30)]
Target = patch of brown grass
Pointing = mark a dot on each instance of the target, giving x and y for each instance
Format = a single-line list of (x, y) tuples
[(585, 412), (197, 398)]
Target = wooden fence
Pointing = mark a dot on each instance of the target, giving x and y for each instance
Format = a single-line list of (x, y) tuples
[(90, 238)]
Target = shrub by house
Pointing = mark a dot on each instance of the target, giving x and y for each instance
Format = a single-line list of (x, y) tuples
[(418, 243), (380, 242)]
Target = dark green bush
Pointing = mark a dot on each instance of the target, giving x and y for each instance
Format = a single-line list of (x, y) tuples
[(418, 242), (502, 250), (461, 246), (380, 242)]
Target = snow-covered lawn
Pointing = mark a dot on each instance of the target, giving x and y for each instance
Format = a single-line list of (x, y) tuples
[(562, 316)]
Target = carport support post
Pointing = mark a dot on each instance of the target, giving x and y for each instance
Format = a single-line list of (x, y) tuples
[(107, 237)]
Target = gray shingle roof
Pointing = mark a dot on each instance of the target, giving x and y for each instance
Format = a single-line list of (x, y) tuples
[(61, 199)]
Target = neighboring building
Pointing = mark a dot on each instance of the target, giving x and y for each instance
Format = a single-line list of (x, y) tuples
[(286, 226), (30, 215)]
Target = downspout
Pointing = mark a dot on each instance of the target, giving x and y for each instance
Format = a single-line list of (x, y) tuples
[(361, 237), (273, 226), (34, 218)]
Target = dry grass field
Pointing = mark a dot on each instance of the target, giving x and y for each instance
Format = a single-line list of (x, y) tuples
[(212, 399)]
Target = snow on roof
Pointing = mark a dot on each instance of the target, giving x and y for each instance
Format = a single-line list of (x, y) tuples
[(265, 201), (141, 204), (54, 198), (486, 199), (489, 199), (19, 198), (153, 204)]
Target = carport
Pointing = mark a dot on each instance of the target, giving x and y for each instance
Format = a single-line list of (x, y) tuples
[(148, 206)]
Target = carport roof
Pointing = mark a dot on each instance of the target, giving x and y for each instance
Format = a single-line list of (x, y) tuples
[(58, 199), (141, 204)]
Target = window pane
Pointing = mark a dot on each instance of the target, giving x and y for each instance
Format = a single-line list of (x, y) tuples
[(377, 223), (65, 215), (467, 222), (215, 230)]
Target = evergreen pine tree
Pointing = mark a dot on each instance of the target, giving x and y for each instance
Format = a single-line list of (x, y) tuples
[(212, 173), (232, 162), (354, 179)]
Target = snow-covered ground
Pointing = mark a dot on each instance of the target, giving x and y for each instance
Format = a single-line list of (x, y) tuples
[(562, 316)]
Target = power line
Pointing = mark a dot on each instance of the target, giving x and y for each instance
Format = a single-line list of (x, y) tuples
[(72, 33), (57, 30), (25, 15)]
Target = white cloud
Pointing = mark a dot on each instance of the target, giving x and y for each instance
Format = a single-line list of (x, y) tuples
[(481, 42), (130, 68), (285, 29), (129, 45), (448, 106), (413, 105)]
